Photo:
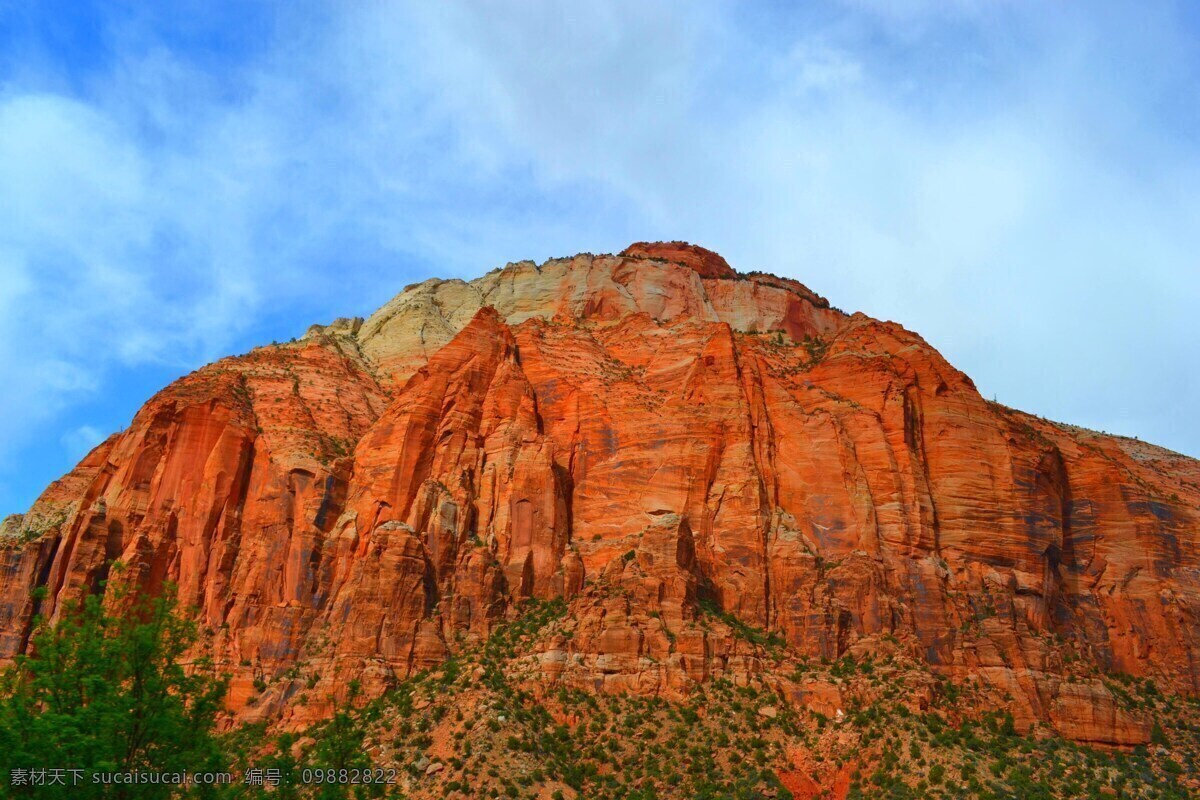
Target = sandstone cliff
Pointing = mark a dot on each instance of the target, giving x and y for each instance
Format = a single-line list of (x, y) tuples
[(657, 439)]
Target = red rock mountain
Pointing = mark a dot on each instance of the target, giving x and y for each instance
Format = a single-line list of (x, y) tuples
[(645, 435)]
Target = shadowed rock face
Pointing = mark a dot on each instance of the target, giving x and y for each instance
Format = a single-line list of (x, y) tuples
[(642, 434)]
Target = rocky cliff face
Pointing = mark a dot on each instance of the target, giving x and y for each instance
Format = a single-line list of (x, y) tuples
[(683, 452)]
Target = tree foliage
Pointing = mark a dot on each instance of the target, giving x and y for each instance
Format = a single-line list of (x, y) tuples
[(107, 690), (109, 693)]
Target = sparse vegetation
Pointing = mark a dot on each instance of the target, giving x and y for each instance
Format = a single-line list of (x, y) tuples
[(487, 724)]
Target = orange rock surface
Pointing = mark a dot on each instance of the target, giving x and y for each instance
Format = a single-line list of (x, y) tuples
[(643, 434)]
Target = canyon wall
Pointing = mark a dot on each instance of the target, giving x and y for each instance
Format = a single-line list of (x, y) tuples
[(648, 435)]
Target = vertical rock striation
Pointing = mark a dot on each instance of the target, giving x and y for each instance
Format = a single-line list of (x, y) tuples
[(648, 435)]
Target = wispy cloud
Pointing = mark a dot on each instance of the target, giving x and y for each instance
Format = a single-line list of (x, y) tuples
[(1014, 181), (79, 441)]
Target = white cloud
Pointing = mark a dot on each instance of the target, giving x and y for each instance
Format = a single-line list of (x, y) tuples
[(79, 441), (816, 67)]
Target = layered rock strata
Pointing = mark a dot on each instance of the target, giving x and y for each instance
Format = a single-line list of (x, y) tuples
[(657, 438)]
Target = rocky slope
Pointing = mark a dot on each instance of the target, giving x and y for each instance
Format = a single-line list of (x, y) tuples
[(719, 473), (487, 724)]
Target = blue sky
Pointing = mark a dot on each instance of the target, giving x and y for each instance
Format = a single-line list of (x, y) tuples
[(1016, 181)]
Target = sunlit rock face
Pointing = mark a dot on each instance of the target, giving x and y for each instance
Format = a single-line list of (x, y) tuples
[(643, 434)]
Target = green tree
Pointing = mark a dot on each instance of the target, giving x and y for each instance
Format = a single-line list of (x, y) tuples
[(108, 692), (338, 746)]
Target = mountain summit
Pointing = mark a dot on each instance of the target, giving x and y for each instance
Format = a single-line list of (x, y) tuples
[(719, 474)]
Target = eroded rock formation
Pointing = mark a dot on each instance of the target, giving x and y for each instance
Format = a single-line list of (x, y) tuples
[(644, 434)]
